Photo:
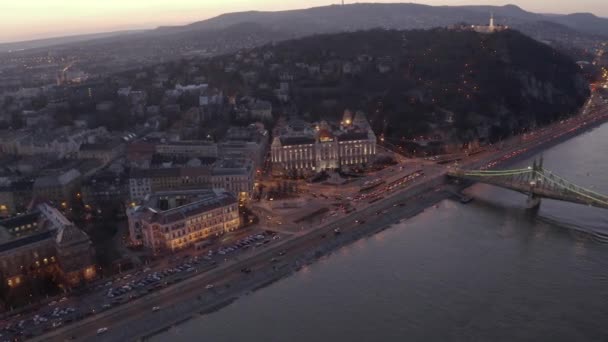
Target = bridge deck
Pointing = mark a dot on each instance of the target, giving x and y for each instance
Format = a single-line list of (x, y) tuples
[(525, 188)]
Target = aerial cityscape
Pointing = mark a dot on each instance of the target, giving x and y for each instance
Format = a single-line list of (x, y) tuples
[(271, 171)]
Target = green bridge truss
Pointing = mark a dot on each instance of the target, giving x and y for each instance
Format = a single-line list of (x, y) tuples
[(536, 182)]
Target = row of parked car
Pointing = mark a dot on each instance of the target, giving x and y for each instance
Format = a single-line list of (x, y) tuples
[(252, 240), (128, 287)]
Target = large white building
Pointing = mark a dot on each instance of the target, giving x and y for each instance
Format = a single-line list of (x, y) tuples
[(174, 220), (303, 149)]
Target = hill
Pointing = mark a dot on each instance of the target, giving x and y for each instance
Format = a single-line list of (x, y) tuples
[(214, 36), (459, 85), (362, 16), (584, 22)]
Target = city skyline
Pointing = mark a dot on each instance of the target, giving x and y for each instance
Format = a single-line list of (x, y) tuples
[(39, 19)]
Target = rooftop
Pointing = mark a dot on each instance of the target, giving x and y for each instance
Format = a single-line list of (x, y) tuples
[(189, 143), (10, 228), (169, 172), (348, 136), (100, 146), (57, 179), (185, 204), (287, 141)]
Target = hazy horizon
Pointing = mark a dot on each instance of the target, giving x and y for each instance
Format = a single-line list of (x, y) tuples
[(41, 19)]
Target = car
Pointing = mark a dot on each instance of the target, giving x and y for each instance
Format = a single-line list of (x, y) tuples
[(191, 269), (156, 308), (209, 286), (246, 270), (63, 299), (281, 253), (101, 330)]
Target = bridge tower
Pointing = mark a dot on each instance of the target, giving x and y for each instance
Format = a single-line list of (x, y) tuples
[(533, 201)]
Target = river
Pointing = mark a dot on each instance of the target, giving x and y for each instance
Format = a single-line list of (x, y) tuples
[(485, 271)]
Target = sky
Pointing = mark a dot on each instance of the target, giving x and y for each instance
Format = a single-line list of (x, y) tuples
[(33, 19)]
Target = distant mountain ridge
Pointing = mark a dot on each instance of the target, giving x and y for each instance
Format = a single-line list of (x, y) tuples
[(240, 30), (335, 18)]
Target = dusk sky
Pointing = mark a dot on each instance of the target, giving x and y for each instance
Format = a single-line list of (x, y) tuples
[(33, 19)]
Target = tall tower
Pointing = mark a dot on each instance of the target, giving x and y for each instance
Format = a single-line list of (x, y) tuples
[(492, 21)]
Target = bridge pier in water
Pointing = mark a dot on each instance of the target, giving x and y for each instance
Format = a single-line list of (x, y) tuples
[(533, 202)]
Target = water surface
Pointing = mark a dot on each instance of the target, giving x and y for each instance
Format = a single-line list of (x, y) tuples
[(486, 271)]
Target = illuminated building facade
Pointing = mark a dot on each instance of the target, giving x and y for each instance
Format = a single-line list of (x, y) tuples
[(43, 241), (174, 220), (304, 150)]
